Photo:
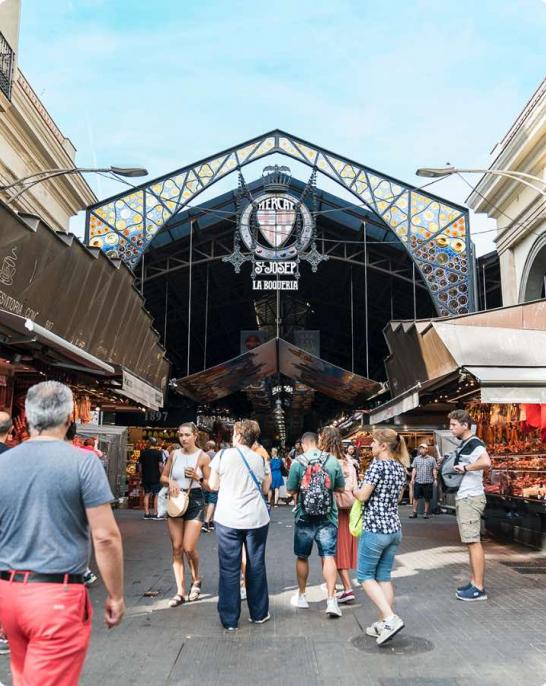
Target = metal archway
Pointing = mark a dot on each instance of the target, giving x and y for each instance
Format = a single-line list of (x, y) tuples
[(435, 232)]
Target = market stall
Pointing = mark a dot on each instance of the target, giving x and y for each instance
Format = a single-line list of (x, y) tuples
[(492, 364)]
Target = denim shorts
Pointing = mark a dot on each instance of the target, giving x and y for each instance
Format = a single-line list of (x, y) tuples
[(323, 532), (210, 497), (376, 555)]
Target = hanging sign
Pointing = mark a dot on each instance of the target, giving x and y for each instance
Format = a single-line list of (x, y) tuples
[(277, 229)]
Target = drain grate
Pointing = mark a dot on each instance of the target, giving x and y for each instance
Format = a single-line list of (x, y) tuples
[(527, 567)]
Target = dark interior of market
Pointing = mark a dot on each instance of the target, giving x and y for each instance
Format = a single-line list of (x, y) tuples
[(368, 280)]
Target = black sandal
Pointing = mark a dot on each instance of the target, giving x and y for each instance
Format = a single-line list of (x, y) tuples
[(176, 600)]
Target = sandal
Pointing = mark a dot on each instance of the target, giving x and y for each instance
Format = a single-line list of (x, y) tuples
[(176, 600), (195, 591)]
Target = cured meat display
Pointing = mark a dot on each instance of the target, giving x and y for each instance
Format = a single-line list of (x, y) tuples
[(515, 436)]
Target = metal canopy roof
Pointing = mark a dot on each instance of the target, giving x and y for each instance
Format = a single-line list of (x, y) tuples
[(276, 357)]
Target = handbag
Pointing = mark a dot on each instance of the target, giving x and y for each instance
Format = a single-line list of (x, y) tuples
[(345, 500), (255, 479), (177, 505), (355, 518)]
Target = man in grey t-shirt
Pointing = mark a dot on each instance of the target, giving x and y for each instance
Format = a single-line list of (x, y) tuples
[(51, 495)]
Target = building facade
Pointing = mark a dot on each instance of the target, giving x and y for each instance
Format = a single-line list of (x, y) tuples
[(30, 141), (519, 210)]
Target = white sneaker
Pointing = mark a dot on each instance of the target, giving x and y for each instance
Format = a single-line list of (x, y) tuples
[(332, 607), (260, 621), (390, 628), (243, 593), (299, 600), (375, 629)]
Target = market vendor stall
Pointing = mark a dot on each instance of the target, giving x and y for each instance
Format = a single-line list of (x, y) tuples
[(492, 364)]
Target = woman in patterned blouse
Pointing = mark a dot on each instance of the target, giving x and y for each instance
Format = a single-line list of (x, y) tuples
[(381, 491)]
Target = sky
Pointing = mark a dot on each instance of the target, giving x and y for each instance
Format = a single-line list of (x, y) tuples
[(394, 85)]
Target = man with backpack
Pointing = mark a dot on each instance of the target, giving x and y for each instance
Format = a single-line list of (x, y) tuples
[(313, 478), (470, 460)]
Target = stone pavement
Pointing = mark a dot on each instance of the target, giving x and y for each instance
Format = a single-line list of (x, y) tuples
[(446, 642)]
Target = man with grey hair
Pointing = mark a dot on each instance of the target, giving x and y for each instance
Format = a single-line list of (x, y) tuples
[(6, 425), (51, 495)]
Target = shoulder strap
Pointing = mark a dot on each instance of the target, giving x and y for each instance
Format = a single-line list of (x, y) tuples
[(460, 448), (252, 475), (172, 464)]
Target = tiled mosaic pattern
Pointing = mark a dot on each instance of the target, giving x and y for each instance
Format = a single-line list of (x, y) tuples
[(435, 233)]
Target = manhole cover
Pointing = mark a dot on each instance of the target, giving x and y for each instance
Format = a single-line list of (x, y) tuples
[(402, 644)]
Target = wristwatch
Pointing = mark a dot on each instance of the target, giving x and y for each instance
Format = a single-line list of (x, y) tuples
[(464, 469)]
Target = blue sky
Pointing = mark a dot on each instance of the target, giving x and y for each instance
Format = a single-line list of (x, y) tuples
[(395, 84)]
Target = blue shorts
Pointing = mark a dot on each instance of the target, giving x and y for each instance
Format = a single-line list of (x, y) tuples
[(376, 555), (210, 497), (324, 533)]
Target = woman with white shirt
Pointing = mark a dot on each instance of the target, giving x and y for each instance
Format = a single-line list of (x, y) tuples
[(242, 479), (186, 469)]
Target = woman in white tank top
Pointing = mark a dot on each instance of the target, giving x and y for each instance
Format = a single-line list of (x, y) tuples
[(186, 469)]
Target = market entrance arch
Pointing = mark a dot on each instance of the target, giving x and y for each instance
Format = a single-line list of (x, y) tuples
[(435, 232)]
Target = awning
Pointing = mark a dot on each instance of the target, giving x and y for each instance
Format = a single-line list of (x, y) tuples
[(276, 357), (78, 295), (511, 384), (24, 333), (426, 350), (396, 406)]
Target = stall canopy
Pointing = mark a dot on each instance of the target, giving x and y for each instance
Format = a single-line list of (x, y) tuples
[(74, 304), (505, 349), (276, 357)]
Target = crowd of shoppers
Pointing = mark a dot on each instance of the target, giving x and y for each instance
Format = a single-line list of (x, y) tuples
[(49, 486)]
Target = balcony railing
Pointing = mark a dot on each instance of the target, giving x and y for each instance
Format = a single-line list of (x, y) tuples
[(6, 66)]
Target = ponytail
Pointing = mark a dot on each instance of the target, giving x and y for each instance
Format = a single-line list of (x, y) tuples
[(396, 444)]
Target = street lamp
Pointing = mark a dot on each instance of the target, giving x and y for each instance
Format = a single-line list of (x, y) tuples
[(33, 179), (522, 177)]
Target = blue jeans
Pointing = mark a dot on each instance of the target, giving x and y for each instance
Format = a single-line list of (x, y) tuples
[(323, 532), (376, 555), (230, 546)]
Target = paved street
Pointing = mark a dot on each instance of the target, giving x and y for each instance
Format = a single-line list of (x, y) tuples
[(445, 643)]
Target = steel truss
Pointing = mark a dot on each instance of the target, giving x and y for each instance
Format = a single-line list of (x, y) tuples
[(435, 232)]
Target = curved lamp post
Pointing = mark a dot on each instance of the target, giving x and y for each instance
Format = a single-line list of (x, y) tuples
[(33, 179), (522, 177)]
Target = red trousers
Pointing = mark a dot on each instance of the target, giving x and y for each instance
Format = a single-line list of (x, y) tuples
[(48, 627)]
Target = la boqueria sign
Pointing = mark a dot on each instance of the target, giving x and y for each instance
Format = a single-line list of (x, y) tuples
[(275, 232)]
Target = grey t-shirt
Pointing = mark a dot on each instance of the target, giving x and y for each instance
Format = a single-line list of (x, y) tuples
[(45, 487)]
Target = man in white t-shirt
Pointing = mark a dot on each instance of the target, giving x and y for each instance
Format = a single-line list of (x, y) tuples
[(242, 478), (470, 501)]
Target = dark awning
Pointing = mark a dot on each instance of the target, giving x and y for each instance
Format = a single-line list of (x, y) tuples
[(79, 295), (276, 357), (504, 349), (27, 334)]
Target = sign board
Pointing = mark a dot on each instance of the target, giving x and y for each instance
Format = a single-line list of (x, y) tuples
[(140, 391), (277, 230)]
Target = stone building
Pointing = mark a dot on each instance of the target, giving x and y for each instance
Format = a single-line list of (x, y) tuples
[(520, 211), (30, 141)]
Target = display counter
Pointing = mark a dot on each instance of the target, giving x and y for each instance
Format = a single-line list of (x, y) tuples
[(516, 498)]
